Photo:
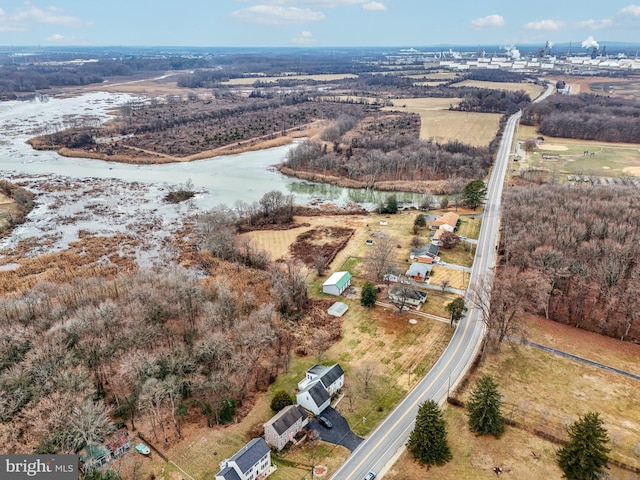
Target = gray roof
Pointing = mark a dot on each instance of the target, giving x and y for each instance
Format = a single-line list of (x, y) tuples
[(250, 454), (318, 393), (419, 268), (282, 421), (331, 375), (408, 293), (430, 250), (228, 473)]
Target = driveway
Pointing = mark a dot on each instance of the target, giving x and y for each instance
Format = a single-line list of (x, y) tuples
[(340, 434)]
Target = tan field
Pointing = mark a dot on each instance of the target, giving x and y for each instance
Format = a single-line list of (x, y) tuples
[(328, 77), (534, 91), (443, 125)]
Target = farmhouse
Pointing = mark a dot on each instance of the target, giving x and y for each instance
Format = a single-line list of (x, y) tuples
[(251, 462), (407, 296), (320, 382), (419, 271), (284, 425), (337, 283), (449, 221)]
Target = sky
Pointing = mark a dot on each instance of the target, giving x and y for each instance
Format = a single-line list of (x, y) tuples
[(322, 23)]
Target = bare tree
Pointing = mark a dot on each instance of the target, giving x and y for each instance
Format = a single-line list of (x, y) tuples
[(380, 258), (289, 286), (501, 301), (365, 374)]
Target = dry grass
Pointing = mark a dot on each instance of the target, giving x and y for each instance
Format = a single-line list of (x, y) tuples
[(328, 77), (442, 125), (456, 278), (8, 208), (534, 91), (526, 131)]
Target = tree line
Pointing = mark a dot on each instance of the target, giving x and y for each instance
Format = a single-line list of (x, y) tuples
[(575, 254), (586, 116)]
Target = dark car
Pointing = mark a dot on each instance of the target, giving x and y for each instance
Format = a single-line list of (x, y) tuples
[(324, 421), (370, 476)]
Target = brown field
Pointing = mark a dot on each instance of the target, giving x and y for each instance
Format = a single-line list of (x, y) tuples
[(622, 87), (328, 77), (442, 125), (7, 208), (526, 131), (546, 392), (534, 91)]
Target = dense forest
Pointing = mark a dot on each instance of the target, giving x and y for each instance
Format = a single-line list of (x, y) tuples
[(585, 116), (577, 250), (151, 350)]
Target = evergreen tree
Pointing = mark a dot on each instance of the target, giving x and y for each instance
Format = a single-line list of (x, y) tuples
[(484, 408), (280, 400), (474, 194), (391, 206), (457, 309), (428, 440), (369, 295), (420, 221), (584, 457)]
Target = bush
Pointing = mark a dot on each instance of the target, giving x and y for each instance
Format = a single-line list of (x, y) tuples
[(280, 400)]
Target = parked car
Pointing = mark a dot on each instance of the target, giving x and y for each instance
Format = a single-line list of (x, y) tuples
[(463, 237), (325, 422), (369, 242), (370, 476)]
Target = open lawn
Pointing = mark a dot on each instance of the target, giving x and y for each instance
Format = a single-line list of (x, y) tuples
[(459, 255), (609, 159), (456, 278), (328, 77), (546, 392), (470, 226), (534, 91)]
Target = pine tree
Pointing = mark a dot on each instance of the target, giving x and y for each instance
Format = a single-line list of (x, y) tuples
[(484, 408), (369, 295), (457, 309), (584, 457), (428, 440), (474, 194)]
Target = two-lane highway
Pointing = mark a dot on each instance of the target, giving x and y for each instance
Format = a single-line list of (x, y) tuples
[(375, 453)]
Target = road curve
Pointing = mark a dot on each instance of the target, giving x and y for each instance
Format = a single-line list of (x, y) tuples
[(379, 448)]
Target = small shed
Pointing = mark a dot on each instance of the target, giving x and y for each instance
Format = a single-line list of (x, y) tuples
[(338, 309), (337, 283)]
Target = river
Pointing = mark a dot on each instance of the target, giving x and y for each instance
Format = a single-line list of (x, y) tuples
[(77, 195)]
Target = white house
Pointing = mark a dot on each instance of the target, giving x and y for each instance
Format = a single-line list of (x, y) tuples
[(284, 425), (251, 462), (337, 283), (320, 382)]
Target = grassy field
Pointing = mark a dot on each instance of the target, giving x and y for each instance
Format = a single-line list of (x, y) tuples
[(320, 78), (534, 91), (609, 160), (442, 125), (546, 392)]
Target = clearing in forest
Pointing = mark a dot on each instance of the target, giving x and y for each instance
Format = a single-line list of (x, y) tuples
[(324, 77), (441, 125)]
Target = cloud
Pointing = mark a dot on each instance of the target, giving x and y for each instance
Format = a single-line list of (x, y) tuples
[(490, 21), (596, 24), (277, 15), (374, 6), (304, 38), (545, 25), (633, 10), (23, 19)]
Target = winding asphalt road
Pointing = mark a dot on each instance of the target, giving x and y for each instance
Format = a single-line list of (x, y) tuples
[(378, 450)]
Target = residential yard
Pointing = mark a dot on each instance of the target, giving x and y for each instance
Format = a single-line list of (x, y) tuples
[(546, 392), (470, 226), (443, 125), (609, 160), (459, 255), (534, 91), (456, 278), (380, 341)]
